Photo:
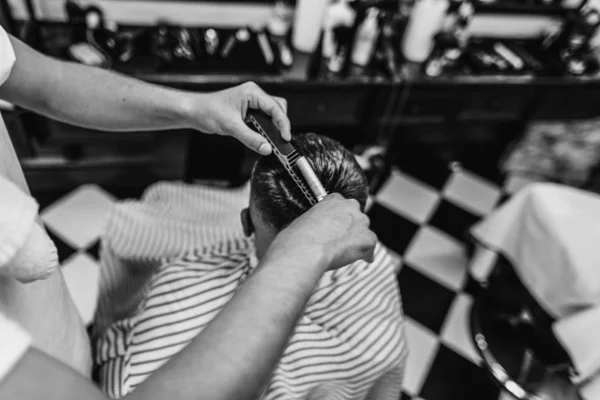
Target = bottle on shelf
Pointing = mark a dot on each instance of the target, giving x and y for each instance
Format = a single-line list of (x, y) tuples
[(426, 20), (337, 14), (450, 44), (366, 39), (308, 23), (278, 27)]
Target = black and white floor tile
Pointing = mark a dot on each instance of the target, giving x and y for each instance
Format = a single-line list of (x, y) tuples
[(421, 213), (424, 215)]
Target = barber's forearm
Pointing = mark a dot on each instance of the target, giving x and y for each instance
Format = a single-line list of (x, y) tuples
[(92, 97), (234, 356), (103, 100)]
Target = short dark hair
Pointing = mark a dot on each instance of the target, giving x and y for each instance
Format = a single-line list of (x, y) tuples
[(278, 198)]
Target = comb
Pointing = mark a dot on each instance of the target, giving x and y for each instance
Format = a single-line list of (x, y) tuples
[(288, 156)]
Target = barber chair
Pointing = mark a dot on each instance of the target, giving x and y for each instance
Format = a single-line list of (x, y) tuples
[(514, 338), (544, 272)]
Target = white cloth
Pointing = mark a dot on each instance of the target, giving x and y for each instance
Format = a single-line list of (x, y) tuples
[(550, 235), (14, 342), (583, 348), (349, 343), (17, 214), (578, 333), (26, 252), (7, 56), (7, 154)]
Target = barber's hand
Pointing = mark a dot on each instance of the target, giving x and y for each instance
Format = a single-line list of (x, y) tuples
[(223, 113), (335, 228)]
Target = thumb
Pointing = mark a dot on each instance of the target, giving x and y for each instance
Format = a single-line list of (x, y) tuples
[(252, 139)]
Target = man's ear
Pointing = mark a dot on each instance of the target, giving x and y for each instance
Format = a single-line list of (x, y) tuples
[(246, 222)]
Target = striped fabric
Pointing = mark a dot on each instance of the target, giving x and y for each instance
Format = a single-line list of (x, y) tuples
[(169, 220), (348, 344)]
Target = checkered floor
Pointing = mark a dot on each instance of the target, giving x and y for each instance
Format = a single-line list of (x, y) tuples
[(422, 213)]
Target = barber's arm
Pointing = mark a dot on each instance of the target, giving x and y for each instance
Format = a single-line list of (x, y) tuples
[(104, 100), (233, 357)]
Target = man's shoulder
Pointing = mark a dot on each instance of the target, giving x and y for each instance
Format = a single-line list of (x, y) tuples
[(225, 251), (195, 264), (185, 278)]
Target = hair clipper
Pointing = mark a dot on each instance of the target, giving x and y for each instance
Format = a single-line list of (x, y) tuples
[(292, 161)]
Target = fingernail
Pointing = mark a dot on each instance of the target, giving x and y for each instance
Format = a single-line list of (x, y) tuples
[(286, 135), (264, 149)]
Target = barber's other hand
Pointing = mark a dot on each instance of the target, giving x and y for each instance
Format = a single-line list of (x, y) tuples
[(334, 229), (223, 113)]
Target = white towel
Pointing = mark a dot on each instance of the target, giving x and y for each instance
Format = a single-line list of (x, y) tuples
[(578, 334), (550, 234), (590, 390), (26, 251)]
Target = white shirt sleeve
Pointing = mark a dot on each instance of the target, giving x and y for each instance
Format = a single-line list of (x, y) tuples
[(14, 342), (7, 56)]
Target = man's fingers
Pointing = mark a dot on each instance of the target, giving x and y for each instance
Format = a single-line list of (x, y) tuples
[(272, 107), (333, 197), (355, 203), (252, 139), (282, 103), (262, 101), (370, 242)]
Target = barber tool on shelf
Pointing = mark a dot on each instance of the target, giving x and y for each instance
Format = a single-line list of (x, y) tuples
[(571, 44), (172, 45), (76, 17), (515, 61), (211, 41), (294, 163), (351, 38), (265, 47), (389, 55), (286, 57), (484, 60), (451, 43), (530, 62), (242, 35), (337, 24), (520, 57), (96, 43), (360, 39), (335, 64), (446, 55), (208, 50), (129, 42), (278, 27), (365, 40)]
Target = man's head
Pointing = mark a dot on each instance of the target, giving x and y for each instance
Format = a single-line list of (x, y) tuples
[(276, 201)]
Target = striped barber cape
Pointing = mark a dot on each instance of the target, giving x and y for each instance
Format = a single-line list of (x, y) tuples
[(172, 260), (348, 344)]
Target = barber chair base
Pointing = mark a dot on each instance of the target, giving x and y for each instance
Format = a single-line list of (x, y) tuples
[(511, 363)]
